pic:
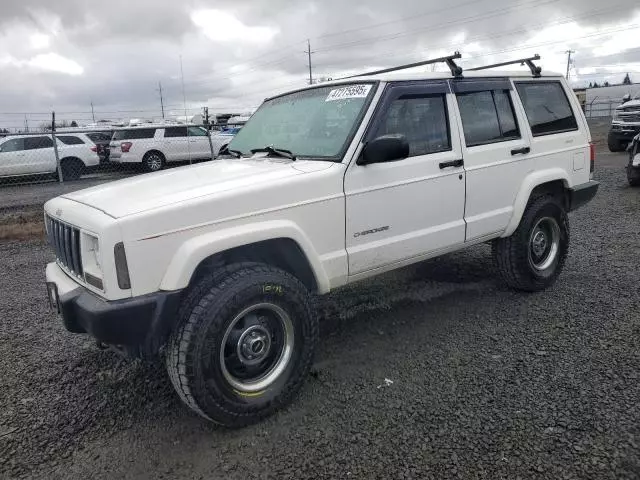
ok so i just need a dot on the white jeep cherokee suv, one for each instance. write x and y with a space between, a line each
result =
217 264
154 146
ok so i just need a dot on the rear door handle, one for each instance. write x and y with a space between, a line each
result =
452 163
520 151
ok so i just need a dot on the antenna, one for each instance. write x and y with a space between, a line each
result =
535 70
456 70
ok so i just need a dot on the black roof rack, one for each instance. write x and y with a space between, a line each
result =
535 70
456 70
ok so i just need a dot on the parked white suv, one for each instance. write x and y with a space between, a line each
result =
34 155
333 183
154 146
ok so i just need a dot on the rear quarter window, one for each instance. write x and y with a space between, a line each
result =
70 139
134 134
547 107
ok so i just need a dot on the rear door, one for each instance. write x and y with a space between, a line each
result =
39 155
496 152
403 210
12 157
176 144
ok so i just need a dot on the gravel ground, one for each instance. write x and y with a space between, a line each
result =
487 383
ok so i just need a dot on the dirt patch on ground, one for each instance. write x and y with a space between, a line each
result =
23 225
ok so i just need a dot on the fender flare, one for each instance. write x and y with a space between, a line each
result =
196 249
530 182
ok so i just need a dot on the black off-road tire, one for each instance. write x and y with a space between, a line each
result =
193 350
615 145
72 168
153 161
511 254
633 175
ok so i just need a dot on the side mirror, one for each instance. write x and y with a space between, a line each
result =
386 148
626 98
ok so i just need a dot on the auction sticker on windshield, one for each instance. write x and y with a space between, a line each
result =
352 91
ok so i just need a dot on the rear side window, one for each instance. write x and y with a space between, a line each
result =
547 107
422 120
35 143
134 134
70 140
13 145
99 137
487 117
175 132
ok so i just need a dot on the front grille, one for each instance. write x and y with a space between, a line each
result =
65 241
630 117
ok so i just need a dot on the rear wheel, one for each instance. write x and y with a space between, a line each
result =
243 345
533 256
153 161
71 168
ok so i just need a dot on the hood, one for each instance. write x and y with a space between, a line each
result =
168 187
631 103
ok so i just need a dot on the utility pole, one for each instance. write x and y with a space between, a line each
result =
569 52
93 115
26 124
161 99
309 52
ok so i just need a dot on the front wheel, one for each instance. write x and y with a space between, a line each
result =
533 256
243 345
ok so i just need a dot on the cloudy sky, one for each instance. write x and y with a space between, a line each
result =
62 55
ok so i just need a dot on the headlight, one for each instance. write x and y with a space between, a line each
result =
92 260
616 115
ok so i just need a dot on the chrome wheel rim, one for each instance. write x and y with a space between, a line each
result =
257 347
154 162
544 243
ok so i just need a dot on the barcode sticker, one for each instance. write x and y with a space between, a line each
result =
352 91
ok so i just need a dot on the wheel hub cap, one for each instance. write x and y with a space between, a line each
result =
539 243
254 345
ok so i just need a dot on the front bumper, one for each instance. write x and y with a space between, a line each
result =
582 194
623 133
139 326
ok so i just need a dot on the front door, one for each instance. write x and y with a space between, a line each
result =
403 210
39 155
199 143
12 157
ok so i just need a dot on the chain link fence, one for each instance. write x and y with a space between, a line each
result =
36 166
601 108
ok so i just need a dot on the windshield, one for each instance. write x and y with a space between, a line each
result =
311 123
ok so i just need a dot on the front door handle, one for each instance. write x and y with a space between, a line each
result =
520 151
452 163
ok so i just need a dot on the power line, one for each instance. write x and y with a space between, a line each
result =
438 26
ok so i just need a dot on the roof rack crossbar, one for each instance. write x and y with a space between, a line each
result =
456 71
535 70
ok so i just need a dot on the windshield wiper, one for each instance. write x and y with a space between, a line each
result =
231 151
278 152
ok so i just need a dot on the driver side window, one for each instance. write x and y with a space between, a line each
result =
422 119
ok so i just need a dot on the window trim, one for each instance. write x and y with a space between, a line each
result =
417 89
544 82
502 139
